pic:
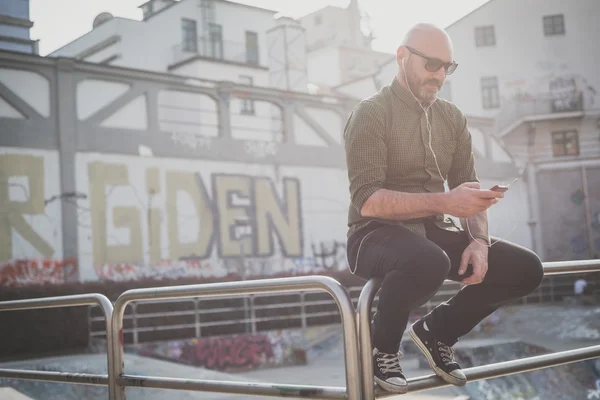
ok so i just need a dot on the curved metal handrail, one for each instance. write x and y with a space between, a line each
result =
66 301
364 306
274 285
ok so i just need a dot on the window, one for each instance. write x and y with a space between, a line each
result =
485 36
490 95
318 20
252 48
189 35
247 106
554 25
565 143
215 41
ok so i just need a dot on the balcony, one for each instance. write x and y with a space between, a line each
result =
216 50
522 107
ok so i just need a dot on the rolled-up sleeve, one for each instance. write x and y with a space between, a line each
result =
463 164
366 151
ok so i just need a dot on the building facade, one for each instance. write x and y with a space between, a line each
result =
338 48
209 39
15 26
516 60
533 69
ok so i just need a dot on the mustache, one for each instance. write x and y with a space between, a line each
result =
434 81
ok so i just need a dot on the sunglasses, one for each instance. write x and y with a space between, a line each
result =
434 64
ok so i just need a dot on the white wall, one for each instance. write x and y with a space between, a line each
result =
324 66
334 27
523 59
223 72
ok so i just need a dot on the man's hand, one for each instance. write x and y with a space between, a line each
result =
468 199
475 254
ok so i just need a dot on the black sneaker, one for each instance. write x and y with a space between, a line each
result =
388 373
440 356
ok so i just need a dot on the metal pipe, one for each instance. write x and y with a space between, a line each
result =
280 285
247 388
54 376
73 301
571 267
588 213
504 368
365 301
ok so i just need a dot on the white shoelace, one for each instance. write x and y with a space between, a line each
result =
447 353
389 362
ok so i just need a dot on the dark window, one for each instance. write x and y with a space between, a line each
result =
318 19
485 36
215 41
252 48
490 94
189 35
247 104
554 25
565 143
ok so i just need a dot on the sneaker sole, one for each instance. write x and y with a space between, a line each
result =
388 387
444 375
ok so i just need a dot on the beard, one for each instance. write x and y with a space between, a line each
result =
422 91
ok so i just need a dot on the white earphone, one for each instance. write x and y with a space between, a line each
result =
431 148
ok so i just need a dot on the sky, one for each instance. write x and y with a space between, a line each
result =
58 22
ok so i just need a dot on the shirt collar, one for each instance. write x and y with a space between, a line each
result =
404 94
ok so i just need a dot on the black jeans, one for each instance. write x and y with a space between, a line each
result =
414 268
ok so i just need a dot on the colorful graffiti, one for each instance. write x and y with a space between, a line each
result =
163 270
35 272
139 218
229 353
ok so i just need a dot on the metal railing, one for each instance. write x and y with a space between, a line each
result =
218 50
248 316
475 373
66 301
356 333
277 285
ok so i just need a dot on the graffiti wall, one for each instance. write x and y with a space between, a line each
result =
30 218
147 217
230 353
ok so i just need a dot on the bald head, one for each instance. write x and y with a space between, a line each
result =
431 40
416 60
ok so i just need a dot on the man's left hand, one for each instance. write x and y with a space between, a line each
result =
475 254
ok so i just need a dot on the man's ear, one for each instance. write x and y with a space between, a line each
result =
400 54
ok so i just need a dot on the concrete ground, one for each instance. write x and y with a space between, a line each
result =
327 369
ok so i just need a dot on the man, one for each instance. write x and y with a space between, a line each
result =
402 144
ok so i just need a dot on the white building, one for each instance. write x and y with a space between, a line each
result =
534 69
510 54
338 49
210 39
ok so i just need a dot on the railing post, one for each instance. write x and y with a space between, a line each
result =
252 314
363 321
134 323
197 318
303 309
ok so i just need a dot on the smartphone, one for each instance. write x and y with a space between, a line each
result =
500 188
